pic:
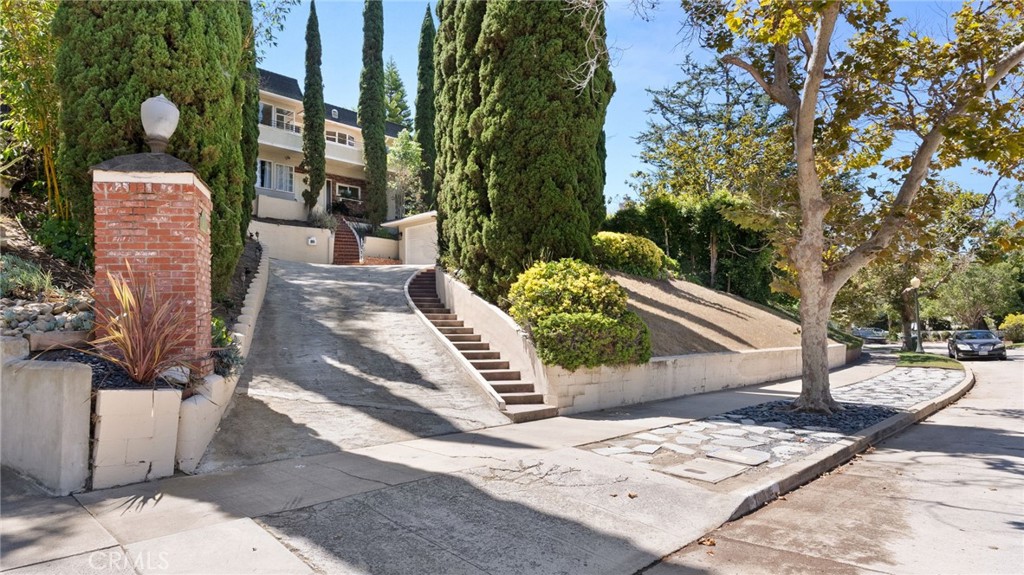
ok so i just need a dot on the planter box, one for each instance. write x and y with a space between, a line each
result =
135 436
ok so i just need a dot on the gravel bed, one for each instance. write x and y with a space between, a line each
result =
853 418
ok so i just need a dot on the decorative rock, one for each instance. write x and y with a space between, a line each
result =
684 440
648 448
706 470
611 450
736 442
733 431
648 437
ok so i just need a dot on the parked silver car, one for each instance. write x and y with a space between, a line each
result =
975 343
871 334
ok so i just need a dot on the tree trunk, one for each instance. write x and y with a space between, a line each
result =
906 319
714 259
815 305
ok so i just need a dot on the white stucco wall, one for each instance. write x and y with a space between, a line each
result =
45 418
374 247
590 389
270 207
290 242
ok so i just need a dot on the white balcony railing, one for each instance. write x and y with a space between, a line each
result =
343 153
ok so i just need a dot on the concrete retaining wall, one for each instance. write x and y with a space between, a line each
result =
45 418
374 247
676 376
201 414
291 243
135 436
606 387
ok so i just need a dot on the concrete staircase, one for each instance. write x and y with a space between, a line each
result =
346 245
522 402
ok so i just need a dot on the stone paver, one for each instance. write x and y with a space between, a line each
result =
706 470
339 362
740 438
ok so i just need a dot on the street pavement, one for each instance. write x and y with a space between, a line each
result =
946 496
525 498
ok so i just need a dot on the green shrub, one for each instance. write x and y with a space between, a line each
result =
630 254
227 355
65 240
1013 327
22 279
564 286
574 340
578 316
322 219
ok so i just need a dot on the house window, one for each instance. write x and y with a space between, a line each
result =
349 192
283 177
274 176
285 119
334 114
341 138
266 114
264 170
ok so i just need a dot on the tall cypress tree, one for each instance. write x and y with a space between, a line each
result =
462 200
313 142
394 97
371 111
249 76
425 105
539 138
114 55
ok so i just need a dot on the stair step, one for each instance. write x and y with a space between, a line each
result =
471 345
521 398
462 337
427 302
512 387
477 355
488 364
433 315
500 374
529 412
448 322
455 330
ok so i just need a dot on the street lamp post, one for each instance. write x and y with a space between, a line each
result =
916 283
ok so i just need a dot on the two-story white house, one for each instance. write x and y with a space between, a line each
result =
279 180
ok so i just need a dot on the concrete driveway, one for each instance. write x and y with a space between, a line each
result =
339 362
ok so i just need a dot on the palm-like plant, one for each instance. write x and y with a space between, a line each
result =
143 332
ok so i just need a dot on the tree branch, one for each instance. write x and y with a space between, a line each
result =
919 165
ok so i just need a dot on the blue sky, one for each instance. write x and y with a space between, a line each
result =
646 55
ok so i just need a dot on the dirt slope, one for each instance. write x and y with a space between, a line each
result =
687 318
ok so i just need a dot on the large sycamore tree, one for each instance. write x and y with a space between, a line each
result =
862 90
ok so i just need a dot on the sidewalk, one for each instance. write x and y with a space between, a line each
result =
537 497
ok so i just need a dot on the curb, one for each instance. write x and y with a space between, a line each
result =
835 455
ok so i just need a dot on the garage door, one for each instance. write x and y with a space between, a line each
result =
421 244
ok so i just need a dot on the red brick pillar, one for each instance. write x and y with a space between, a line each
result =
153 212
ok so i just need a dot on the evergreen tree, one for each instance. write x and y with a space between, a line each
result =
372 111
462 201
425 106
249 75
114 55
539 138
313 142
394 97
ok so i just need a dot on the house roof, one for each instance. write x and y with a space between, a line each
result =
281 85
289 88
412 220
